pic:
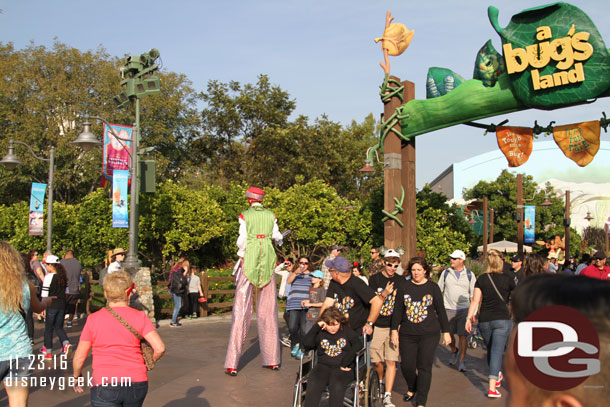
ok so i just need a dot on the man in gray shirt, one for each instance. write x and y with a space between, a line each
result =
73 270
457 285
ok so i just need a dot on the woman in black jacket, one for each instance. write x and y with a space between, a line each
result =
177 287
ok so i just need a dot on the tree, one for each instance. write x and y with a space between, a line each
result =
233 119
502 197
44 91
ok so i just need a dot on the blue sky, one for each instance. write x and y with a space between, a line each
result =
321 52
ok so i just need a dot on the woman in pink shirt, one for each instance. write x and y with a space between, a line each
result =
119 372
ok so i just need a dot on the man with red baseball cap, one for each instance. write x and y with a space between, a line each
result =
257 227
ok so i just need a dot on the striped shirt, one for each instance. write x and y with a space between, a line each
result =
299 291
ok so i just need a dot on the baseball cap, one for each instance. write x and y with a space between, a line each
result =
458 254
599 255
317 273
341 264
517 257
52 259
391 253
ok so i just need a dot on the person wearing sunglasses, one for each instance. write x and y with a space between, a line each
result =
377 264
383 350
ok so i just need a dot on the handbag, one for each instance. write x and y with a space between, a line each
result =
510 312
147 350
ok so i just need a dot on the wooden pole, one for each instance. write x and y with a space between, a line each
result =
566 237
399 173
520 214
491 226
409 231
485 234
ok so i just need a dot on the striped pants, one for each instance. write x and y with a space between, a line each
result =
266 320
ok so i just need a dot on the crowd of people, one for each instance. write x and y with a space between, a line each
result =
404 310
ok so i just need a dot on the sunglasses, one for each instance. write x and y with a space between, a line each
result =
303 262
394 266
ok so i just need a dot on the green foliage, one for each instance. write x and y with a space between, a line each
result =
436 237
502 197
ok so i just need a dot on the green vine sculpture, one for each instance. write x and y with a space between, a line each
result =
397 209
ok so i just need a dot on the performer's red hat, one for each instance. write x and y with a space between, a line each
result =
256 194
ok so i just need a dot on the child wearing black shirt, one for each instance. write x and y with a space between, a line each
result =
336 346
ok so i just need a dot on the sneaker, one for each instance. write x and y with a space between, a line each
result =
66 317
69 324
462 367
499 381
75 317
387 400
285 341
299 354
67 350
294 350
454 358
175 324
194 316
189 317
494 394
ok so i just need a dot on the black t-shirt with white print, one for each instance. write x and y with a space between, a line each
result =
337 349
419 309
378 283
352 298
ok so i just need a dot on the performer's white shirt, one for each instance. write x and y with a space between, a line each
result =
243 234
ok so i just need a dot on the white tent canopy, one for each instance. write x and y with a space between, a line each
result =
505 246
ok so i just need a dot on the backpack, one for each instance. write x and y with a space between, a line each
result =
468 273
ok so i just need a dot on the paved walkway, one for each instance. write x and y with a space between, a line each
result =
191 374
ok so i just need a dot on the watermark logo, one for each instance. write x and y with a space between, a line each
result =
556 348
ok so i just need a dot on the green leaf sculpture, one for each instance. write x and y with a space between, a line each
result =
591 76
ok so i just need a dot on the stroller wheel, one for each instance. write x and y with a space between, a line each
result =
473 344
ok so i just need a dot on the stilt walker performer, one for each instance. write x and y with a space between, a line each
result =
257 226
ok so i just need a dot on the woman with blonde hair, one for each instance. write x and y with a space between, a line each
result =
16 297
119 371
492 291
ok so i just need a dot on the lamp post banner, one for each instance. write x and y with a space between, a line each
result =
36 216
116 153
529 216
119 199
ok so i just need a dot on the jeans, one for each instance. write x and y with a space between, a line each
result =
296 325
54 320
495 334
177 306
119 396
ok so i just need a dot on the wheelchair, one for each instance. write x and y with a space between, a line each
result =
364 391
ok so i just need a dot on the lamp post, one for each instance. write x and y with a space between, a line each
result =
86 140
10 162
138 81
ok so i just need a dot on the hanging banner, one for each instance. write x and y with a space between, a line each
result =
116 152
36 217
516 143
529 220
119 199
579 142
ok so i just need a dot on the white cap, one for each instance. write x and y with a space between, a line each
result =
391 253
458 254
52 259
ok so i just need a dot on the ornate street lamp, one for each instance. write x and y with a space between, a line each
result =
10 162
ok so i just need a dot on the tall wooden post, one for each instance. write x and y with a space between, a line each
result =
566 223
399 173
520 214
491 225
485 232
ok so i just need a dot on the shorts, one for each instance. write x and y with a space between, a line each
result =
14 369
72 299
381 348
457 322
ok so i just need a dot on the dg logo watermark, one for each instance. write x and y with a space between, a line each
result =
556 348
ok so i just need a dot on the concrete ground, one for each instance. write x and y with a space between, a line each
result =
191 374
